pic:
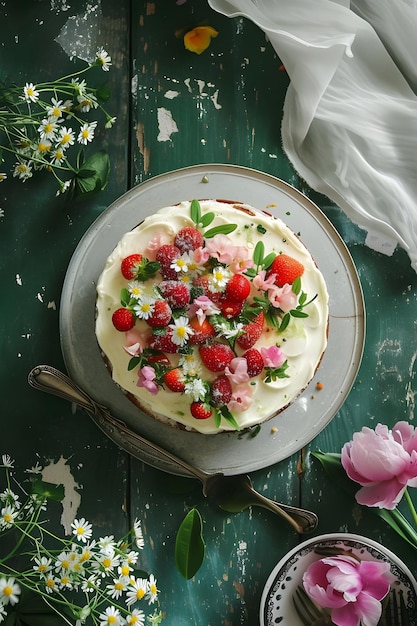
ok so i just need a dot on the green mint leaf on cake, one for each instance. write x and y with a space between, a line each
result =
195 212
273 373
207 219
222 229
225 413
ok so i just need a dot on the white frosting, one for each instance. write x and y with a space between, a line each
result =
303 342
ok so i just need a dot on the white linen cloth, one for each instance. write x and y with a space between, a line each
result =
350 115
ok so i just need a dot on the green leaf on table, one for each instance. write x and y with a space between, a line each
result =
48 490
189 545
93 174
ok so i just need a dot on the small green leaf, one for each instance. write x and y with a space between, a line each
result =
48 490
298 313
285 322
296 286
195 211
124 297
207 219
251 272
223 229
93 176
189 545
258 253
224 411
134 362
268 260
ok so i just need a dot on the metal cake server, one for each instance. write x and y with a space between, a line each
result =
230 493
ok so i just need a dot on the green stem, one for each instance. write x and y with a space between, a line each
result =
411 506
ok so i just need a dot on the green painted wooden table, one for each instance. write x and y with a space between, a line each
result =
175 109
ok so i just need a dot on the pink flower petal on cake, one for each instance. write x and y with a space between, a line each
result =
237 371
272 356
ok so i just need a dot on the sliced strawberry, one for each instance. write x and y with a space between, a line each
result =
123 319
200 410
188 238
163 342
175 293
230 309
221 391
160 315
255 362
238 288
165 256
286 269
174 380
216 356
158 357
251 334
202 332
130 265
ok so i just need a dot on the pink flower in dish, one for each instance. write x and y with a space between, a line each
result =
241 398
351 589
237 371
147 379
383 462
282 298
263 284
272 356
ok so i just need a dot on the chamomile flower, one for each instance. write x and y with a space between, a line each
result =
7 516
90 584
9 497
64 562
65 137
86 102
152 592
42 565
135 288
182 263
58 156
182 330
196 389
82 529
107 562
56 109
189 365
47 128
135 618
103 59
229 330
3 176
110 122
43 147
3 613
86 552
137 591
22 170
9 591
116 588
219 278
110 617
137 530
7 461
144 308
51 583
65 582
86 133
29 93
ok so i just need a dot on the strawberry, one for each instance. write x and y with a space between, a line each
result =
158 357
230 309
200 410
250 335
216 356
123 319
174 380
188 238
165 256
238 288
221 391
175 293
130 265
286 269
163 342
202 332
255 362
160 315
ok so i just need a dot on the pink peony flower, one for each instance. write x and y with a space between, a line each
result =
272 356
237 371
147 379
282 298
241 398
384 462
352 589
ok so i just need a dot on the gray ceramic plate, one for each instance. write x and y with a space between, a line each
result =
232 453
276 603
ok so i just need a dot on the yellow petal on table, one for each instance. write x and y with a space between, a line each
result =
198 39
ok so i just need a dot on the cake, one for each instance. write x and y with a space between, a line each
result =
211 316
